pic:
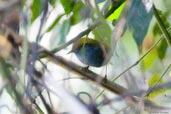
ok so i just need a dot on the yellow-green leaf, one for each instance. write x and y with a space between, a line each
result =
103 33
115 15
152 81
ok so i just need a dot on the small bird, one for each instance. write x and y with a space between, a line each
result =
91 52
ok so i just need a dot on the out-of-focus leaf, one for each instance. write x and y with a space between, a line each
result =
170 74
162 50
103 33
36 9
151 82
85 12
76 17
5 71
138 19
9 91
52 2
150 59
4 68
154 79
164 17
67 5
106 6
115 15
55 22
64 31
100 1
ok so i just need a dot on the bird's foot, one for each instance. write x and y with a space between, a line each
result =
85 68
105 78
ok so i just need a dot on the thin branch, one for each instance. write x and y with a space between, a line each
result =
115 4
113 87
157 82
142 57
136 63
162 26
71 66
89 29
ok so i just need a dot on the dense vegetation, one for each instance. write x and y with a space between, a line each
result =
39 75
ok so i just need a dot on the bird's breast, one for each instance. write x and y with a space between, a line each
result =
91 55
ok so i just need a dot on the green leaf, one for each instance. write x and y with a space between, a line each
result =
9 90
55 22
67 5
152 82
36 9
149 60
103 33
138 19
76 17
64 31
154 79
162 49
52 2
5 70
115 15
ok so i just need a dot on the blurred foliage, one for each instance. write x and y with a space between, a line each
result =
152 81
115 15
162 49
73 13
52 2
36 9
103 33
138 20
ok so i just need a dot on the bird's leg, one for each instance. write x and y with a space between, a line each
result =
105 78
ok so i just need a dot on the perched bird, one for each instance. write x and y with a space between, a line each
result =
91 52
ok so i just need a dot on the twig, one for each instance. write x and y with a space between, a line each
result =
162 26
136 63
88 74
12 82
157 82
89 29
141 58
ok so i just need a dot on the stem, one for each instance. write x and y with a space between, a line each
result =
162 26
136 63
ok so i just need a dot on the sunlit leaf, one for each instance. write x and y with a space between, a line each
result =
103 33
149 60
36 9
115 15
152 82
138 20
